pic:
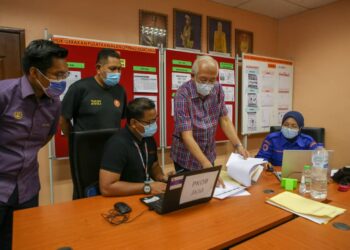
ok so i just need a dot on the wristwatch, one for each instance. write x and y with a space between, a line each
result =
237 145
147 187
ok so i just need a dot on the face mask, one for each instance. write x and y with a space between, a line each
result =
204 88
112 79
150 130
289 133
55 88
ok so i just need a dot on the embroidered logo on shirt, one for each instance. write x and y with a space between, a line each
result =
116 103
18 115
95 102
265 147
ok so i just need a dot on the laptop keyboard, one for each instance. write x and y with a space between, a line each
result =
157 205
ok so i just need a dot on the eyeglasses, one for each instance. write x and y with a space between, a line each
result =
149 122
206 81
58 76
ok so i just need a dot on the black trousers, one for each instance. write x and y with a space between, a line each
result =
6 217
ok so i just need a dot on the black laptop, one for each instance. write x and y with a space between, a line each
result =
185 190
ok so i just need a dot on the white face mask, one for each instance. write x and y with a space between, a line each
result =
204 89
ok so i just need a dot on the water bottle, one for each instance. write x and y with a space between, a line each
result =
305 182
307 177
319 173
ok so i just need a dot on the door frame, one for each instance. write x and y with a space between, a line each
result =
21 34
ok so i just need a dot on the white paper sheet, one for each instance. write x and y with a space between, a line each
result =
198 187
242 170
266 117
252 100
145 83
226 76
178 79
252 126
228 191
229 93
284 100
230 111
266 99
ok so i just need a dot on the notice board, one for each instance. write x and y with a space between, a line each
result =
139 77
267 91
178 68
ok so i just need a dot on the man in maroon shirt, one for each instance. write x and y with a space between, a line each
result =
29 112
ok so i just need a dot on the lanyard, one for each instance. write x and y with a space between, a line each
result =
143 162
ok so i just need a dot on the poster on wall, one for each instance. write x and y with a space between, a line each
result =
267 88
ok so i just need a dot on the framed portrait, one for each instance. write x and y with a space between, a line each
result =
219 35
153 28
187 30
243 42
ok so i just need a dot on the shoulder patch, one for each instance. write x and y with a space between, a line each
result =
265 147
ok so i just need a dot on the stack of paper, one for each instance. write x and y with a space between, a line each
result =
313 210
232 188
244 170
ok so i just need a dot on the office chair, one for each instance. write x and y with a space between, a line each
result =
85 155
318 134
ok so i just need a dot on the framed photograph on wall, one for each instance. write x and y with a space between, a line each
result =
243 42
153 28
187 30
219 35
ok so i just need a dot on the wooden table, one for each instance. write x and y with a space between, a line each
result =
217 224
301 233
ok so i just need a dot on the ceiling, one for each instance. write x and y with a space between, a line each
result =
276 8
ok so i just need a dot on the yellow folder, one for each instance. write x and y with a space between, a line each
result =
307 208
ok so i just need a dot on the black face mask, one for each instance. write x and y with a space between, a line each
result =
342 176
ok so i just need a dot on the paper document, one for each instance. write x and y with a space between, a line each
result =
244 171
313 210
229 190
232 188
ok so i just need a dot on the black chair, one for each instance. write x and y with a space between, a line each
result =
317 133
85 154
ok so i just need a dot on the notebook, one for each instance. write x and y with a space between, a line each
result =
184 190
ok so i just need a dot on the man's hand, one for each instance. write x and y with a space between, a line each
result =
220 183
158 187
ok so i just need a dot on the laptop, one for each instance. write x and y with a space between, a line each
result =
185 189
293 162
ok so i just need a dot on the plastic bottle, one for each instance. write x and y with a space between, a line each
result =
307 177
305 181
319 173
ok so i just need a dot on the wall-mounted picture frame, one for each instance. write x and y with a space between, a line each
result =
187 30
243 42
153 28
219 35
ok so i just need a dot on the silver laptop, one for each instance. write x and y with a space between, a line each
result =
294 161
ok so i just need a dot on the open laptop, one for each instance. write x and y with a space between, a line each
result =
184 190
294 161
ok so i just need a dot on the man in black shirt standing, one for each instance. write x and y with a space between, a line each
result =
130 157
97 102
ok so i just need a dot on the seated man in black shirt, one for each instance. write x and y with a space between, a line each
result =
130 157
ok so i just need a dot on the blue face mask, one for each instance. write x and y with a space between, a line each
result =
55 88
289 133
112 79
150 130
